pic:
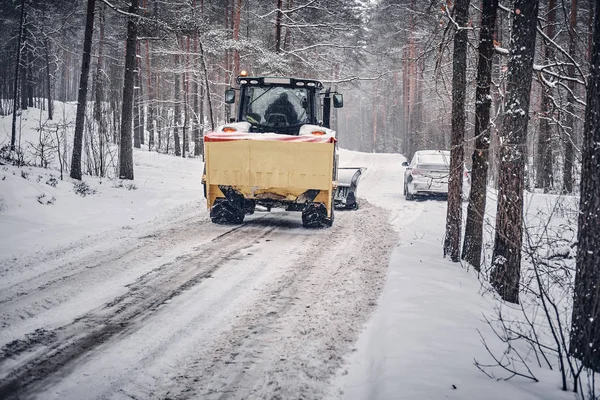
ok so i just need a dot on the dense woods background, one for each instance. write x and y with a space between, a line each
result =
501 84
392 59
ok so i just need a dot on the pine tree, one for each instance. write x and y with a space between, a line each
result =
506 259
126 148
585 328
457 152
473 240
83 87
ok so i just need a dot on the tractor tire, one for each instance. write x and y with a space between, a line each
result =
222 212
315 216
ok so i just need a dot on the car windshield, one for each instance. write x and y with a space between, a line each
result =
438 161
276 106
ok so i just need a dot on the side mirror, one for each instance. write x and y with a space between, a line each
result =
405 164
230 96
338 100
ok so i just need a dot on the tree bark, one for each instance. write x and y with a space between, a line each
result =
196 99
506 259
544 149
13 137
585 328
278 16
457 155
99 95
83 87
138 129
176 108
473 240
48 79
569 134
237 4
207 87
125 148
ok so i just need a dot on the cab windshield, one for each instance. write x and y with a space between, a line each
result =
276 106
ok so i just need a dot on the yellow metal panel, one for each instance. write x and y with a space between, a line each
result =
270 164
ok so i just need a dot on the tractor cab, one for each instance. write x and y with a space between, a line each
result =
282 105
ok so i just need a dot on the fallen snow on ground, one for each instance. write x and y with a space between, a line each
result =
131 292
423 338
39 210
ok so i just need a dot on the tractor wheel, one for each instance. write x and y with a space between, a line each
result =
222 212
315 216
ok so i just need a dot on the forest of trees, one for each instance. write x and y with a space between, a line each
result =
510 87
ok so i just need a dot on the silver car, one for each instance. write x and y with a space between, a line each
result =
428 172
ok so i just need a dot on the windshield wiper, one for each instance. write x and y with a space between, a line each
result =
263 93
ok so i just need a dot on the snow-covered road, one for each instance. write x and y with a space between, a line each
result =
182 308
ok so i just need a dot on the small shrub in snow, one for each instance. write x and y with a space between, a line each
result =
52 181
83 189
42 199
128 186
24 174
11 157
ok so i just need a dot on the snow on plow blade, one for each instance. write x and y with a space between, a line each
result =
269 169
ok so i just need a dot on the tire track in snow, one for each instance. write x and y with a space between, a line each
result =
291 339
269 320
143 297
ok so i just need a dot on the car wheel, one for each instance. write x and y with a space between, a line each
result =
407 195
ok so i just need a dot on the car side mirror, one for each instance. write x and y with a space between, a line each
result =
405 164
338 100
230 96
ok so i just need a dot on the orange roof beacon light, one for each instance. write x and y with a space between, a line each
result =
229 129
243 73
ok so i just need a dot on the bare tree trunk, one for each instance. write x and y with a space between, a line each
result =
13 137
278 16
207 87
196 99
83 87
544 156
569 134
186 103
457 151
473 240
236 35
125 148
176 109
506 260
29 80
137 128
99 95
48 78
151 107
585 328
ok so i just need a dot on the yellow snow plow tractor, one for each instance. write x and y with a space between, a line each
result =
278 151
